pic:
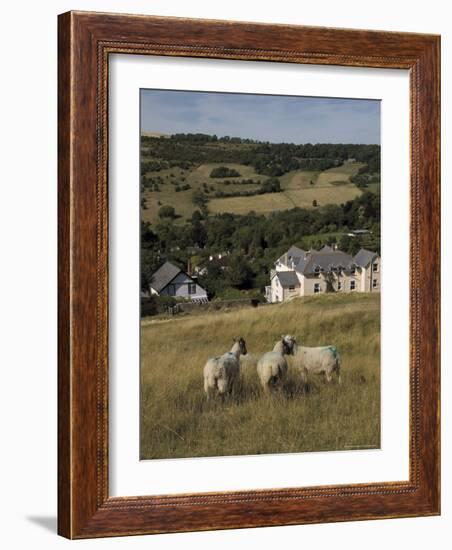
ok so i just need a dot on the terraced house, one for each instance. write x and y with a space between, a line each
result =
306 272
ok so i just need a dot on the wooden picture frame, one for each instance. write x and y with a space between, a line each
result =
86 40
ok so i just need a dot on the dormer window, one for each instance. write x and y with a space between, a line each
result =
317 271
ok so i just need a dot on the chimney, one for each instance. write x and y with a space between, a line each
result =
189 267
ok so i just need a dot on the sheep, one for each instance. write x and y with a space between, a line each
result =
319 360
272 366
222 372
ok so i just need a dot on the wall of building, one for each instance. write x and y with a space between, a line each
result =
308 287
180 286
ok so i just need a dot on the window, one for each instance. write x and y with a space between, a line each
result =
374 283
317 271
353 270
352 285
172 290
316 288
291 287
375 267
192 288
339 285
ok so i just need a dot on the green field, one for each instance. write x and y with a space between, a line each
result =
177 420
328 187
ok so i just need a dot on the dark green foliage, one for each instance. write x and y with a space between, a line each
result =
271 185
156 304
153 166
271 159
369 173
224 172
167 212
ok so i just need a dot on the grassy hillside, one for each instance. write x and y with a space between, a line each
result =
176 184
178 421
328 188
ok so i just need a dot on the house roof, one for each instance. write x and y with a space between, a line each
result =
164 275
308 263
325 261
294 253
364 257
288 278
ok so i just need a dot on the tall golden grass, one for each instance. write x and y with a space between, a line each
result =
177 420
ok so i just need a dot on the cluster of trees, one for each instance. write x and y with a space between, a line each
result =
207 138
153 166
274 165
272 159
183 187
248 181
224 172
270 185
253 241
369 173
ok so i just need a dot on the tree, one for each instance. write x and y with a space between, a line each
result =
240 273
196 216
314 203
167 212
224 172
271 185
199 199
198 234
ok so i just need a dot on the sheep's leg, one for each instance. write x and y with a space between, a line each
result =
209 392
328 377
304 376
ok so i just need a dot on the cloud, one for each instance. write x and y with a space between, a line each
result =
264 117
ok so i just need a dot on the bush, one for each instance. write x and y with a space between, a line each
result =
167 212
224 172
156 304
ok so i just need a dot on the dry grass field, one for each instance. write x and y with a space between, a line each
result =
328 187
177 420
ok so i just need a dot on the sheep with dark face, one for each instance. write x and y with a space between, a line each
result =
272 366
221 373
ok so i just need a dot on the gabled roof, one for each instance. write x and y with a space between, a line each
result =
324 261
295 251
309 263
293 254
364 257
288 278
164 275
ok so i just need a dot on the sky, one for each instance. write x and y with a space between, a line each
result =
274 118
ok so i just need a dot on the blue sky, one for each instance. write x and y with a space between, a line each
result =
263 117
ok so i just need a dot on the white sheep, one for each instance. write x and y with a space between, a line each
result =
222 372
318 360
272 366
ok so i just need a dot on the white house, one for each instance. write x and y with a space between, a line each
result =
170 280
303 273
